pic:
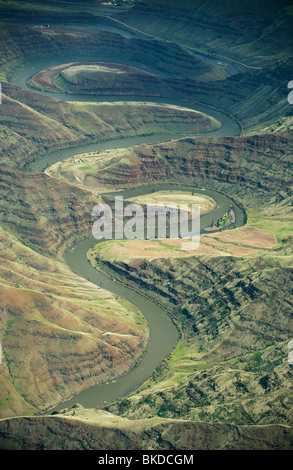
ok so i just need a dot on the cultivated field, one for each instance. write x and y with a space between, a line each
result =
174 199
240 242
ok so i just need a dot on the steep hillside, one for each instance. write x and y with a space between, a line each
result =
60 318
46 215
33 124
257 98
231 365
23 44
215 26
54 331
262 163
79 429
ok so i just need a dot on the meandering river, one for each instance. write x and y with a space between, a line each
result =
163 333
